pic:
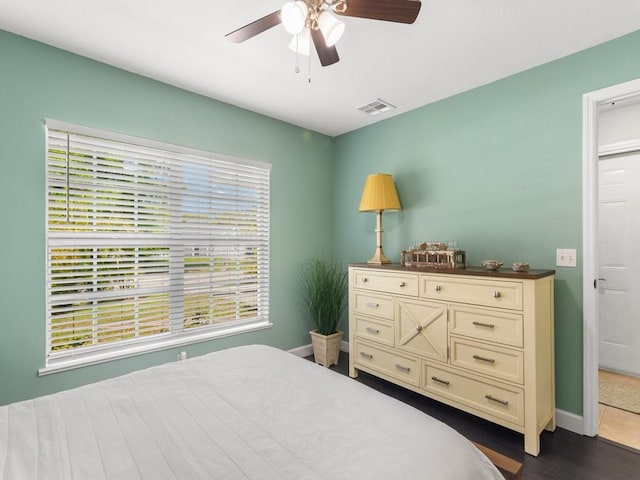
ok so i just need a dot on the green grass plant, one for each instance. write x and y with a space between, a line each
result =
323 289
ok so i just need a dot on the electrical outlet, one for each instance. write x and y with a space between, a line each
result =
566 257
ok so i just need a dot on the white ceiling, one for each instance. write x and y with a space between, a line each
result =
454 46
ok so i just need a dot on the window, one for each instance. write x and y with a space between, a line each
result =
149 245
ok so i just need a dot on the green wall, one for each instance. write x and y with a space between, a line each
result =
37 82
498 169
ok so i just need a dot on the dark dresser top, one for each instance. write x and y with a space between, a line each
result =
504 272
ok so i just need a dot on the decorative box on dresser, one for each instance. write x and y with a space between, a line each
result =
478 340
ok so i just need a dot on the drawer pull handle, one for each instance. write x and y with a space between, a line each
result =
402 284
480 324
437 288
365 280
496 294
403 368
484 359
373 330
366 355
497 400
439 380
372 305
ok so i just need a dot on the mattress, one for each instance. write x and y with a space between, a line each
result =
251 412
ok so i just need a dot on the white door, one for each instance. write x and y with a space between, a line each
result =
619 249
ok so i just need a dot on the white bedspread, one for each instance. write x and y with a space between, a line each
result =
251 412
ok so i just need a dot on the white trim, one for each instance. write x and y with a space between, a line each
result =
302 351
570 421
591 102
109 355
589 239
617 148
165 169
306 350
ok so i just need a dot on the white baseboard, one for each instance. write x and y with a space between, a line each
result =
570 421
306 350
303 351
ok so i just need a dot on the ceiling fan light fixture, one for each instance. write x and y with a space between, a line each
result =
294 16
331 28
301 43
325 28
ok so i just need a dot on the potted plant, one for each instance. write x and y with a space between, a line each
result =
323 288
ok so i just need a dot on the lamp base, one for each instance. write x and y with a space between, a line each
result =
379 258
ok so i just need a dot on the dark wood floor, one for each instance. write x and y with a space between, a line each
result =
564 455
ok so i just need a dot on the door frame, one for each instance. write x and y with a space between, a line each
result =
590 302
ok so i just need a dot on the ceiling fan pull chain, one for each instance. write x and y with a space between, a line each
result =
297 56
309 69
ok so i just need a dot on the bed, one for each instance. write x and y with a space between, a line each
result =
252 412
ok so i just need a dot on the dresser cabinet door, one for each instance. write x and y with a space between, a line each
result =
421 328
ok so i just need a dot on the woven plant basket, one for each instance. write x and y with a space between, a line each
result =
326 348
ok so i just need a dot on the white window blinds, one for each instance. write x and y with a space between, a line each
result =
148 243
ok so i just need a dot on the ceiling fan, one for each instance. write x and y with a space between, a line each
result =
315 21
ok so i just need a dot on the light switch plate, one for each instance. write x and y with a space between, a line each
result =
566 257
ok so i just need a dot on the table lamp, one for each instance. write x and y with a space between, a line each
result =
379 194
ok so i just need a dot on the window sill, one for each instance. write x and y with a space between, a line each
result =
65 364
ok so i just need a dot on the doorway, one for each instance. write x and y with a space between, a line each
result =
594 103
618 284
618 280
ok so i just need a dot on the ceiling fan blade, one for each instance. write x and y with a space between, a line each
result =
400 11
254 28
327 55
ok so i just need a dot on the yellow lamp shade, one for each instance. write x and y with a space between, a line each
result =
379 193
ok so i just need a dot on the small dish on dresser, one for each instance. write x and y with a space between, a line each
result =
520 267
492 264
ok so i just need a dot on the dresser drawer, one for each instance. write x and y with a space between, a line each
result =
396 283
491 360
493 325
498 400
373 329
491 293
401 367
374 304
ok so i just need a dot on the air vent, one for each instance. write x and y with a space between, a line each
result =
376 107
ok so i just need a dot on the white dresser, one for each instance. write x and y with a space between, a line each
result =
476 340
